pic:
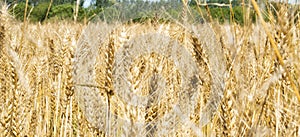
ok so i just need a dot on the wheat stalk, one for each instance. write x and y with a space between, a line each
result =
176 72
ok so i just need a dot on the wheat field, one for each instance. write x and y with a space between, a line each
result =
165 79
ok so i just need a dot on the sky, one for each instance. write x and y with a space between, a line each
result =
294 1
87 3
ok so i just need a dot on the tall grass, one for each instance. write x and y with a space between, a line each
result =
166 79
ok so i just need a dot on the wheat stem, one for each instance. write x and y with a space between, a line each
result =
275 48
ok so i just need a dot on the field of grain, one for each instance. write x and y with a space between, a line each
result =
163 79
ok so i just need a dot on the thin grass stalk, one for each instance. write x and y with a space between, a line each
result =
25 12
231 12
76 10
48 10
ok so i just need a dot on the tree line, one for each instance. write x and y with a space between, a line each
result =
128 10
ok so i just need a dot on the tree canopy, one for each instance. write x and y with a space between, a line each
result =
123 10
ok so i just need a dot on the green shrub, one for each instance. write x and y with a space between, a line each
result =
220 14
66 12
238 15
60 12
224 14
18 10
36 13
39 12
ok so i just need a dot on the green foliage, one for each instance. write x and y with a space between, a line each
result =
220 14
132 10
63 11
34 13
57 12
18 10
104 3
141 11
238 2
219 1
224 14
66 12
39 12
238 15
